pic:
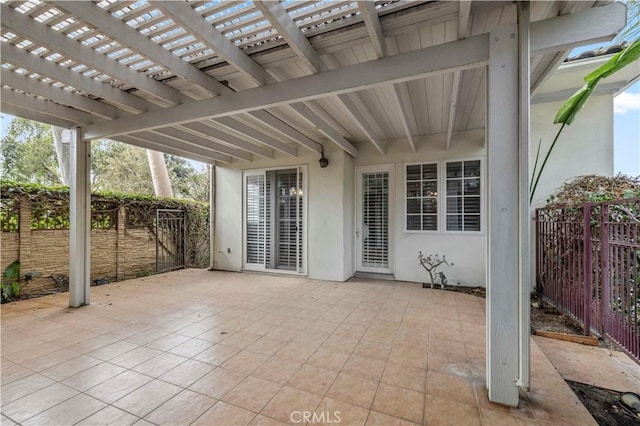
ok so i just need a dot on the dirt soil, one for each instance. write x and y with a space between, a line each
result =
604 405
474 291
548 318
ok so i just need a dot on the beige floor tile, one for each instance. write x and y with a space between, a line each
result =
93 376
109 416
71 367
218 383
167 342
41 363
6 421
187 373
442 411
313 379
367 368
135 357
289 401
225 414
295 352
404 376
287 318
242 339
371 349
412 357
502 418
217 354
147 398
69 412
261 420
119 386
332 412
24 387
245 361
12 371
329 358
277 370
266 345
183 408
113 350
191 348
399 402
143 422
450 387
37 402
566 409
252 394
156 367
353 390
380 419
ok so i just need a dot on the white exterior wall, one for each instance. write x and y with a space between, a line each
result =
466 250
329 214
585 147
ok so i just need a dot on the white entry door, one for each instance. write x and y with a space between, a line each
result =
373 218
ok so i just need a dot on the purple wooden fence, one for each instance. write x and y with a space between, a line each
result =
588 266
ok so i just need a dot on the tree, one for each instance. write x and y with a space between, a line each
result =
187 181
118 167
63 154
159 174
28 154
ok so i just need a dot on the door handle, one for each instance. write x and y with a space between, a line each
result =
357 234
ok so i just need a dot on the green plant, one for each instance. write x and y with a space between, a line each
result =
568 111
431 263
11 285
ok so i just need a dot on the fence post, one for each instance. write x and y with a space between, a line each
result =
604 265
587 267
120 244
24 235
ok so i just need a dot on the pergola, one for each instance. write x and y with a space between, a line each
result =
217 81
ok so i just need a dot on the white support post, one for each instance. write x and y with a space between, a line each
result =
80 220
212 216
503 261
525 213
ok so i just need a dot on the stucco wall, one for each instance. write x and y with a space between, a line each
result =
468 250
585 147
328 217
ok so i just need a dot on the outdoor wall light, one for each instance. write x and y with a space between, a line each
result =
323 161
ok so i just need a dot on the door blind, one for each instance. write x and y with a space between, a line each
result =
255 219
287 224
375 220
274 217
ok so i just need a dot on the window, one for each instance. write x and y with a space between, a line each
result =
463 196
422 197
273 221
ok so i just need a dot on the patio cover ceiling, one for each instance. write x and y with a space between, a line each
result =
225 80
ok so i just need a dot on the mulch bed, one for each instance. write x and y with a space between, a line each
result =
604 405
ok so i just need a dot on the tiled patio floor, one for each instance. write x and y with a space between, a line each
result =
207 348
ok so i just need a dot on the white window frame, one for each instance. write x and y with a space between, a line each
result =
438 198
482 196
391 169
442 196
305 196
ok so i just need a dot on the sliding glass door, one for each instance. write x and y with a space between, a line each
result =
274 207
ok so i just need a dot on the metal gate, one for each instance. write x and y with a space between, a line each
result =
170 240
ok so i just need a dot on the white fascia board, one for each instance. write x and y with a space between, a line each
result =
577 29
